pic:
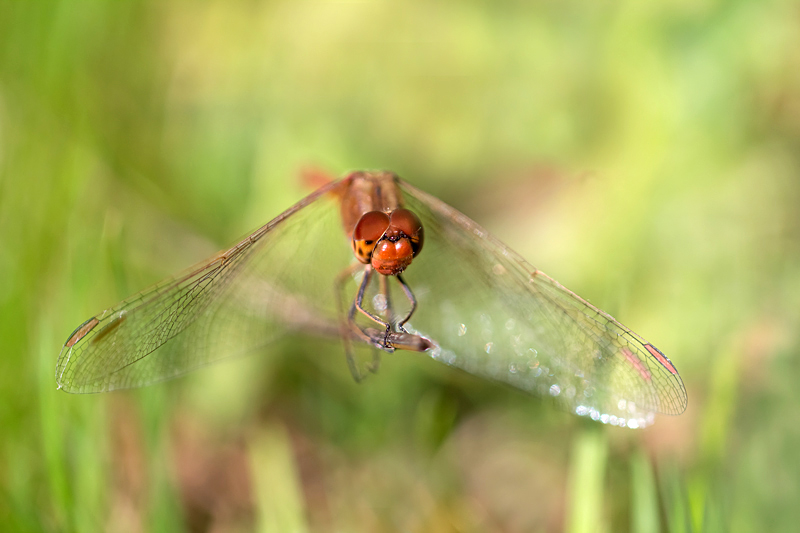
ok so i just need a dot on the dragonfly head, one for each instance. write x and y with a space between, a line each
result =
388 241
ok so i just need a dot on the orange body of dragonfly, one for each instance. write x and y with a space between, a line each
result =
468 301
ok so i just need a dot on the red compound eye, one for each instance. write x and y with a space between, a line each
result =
409 224
369 229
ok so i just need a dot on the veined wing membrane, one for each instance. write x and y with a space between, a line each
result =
276 279
484 309
495 316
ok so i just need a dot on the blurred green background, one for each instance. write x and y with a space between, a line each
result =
645 154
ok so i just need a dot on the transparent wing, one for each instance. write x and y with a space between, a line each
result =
277 279
493 315
487 311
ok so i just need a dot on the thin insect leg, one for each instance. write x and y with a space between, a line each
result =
388 314
411 298
360 301
355 328
347 326
359 306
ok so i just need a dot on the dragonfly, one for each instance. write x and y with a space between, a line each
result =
381 264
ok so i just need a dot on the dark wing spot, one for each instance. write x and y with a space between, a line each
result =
81 332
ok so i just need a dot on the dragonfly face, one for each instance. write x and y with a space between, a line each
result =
389 242
476 305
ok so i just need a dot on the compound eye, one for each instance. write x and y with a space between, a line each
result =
407 222
369 229
371 226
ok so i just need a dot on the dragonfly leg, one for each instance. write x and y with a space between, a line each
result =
359 305
411 298
349 327
387 314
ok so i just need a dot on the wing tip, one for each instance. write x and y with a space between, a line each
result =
681 403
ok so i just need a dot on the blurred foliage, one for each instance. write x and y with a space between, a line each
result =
646 154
